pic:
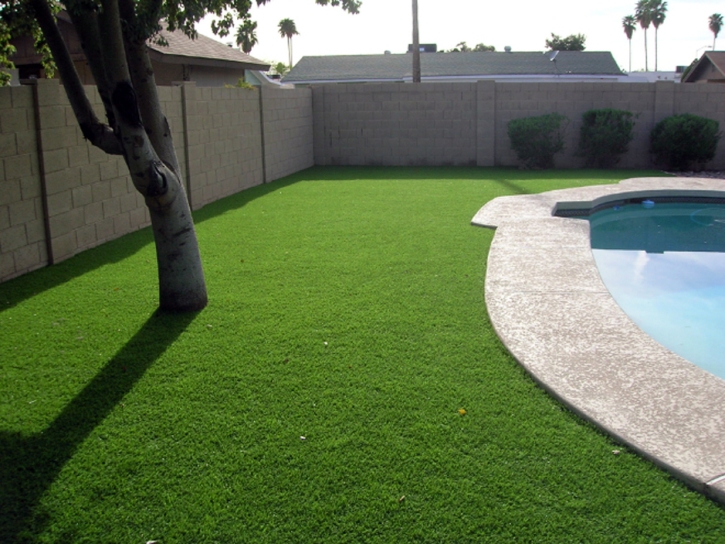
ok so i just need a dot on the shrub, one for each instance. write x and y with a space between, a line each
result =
536 140
241 84
681 141
604 136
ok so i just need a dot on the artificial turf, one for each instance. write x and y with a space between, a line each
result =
343 385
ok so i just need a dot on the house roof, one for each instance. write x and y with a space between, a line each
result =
180 49
350 68
716 59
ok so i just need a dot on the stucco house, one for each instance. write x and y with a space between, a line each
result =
206 61
709 69
576 66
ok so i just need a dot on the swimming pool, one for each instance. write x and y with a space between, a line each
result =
549 306
664 264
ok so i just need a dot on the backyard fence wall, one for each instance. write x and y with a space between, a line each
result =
467 123
59 195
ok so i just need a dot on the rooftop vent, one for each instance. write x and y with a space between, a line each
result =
507 48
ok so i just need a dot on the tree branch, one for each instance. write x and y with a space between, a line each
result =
144 83
85 23
152 177
99 134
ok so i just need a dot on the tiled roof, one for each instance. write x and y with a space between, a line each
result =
436 65
182 49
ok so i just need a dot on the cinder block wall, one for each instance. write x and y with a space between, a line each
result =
467 123
22 231
288 120
395 124
59 195
90 197
224 142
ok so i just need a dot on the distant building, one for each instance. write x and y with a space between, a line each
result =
207 62
709 69
654 77
574 66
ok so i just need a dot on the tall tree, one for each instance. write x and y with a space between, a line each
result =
658 12
287 29
482 47
573 42
643 14
247 35
715 25
114 34
629 24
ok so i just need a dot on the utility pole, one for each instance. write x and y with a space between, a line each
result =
416 44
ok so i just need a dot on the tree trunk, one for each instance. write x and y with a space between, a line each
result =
646 65
140 133
181 277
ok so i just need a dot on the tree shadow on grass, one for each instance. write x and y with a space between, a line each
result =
512 180
15 291
30 464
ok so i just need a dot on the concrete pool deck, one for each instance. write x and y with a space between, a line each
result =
552 311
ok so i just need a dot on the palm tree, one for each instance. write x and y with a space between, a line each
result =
658 12
644 17
629 23
715 27
287 29
247 35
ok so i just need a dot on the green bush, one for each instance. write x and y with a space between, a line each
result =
604 136
536 140
683 141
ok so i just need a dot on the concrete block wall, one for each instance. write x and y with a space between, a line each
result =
467 123
59 195
519 100
22 229
288 131
90 196
224 142
395 124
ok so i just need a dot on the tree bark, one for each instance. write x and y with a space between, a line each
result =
155 172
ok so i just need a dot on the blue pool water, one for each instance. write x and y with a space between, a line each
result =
665 266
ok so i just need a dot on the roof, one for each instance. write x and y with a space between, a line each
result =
398 67
180 49
715 59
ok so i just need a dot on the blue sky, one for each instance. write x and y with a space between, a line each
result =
524 25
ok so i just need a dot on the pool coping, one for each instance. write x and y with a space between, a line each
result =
551 310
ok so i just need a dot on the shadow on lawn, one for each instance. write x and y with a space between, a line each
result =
512 180
15 291
30 464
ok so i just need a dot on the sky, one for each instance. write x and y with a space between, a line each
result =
522 24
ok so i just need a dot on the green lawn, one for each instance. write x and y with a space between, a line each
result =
317 397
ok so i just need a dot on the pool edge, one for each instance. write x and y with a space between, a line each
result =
592 357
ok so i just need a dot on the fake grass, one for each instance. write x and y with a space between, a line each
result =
343 385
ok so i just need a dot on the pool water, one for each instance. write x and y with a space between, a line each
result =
665 266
